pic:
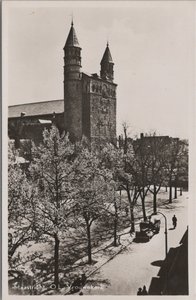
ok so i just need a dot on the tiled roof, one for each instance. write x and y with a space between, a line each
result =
36 109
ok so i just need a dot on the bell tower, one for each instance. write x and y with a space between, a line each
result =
72 86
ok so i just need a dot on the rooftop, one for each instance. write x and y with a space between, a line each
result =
36 108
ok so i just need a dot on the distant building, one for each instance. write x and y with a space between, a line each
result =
88 107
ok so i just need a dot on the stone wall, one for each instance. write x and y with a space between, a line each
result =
73 108
102 110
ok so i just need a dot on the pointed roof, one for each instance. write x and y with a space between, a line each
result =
107 57
72 40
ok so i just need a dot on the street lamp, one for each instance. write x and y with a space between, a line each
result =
166 242
166 245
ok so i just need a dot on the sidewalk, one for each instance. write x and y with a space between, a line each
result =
133 268
101 255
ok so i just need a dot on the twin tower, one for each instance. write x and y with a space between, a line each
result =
89 99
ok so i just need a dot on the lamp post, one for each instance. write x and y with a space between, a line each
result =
166 247
166 241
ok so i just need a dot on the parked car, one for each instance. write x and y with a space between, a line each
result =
147 230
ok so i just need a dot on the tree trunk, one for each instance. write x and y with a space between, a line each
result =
180 191
143 206
13 250
17 142
89 243
132 219
115 223
166 188
56 261
170 194
170 191
154 200
176 187
131 210
115 232
175 194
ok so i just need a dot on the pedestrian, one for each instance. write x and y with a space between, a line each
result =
144 291
76 285
139 292
174 220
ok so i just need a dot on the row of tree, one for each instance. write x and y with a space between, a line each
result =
70 187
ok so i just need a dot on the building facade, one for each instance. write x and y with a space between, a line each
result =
89 104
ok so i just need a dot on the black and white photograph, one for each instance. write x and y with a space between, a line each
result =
98 103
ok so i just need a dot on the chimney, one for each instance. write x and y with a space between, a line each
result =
22 114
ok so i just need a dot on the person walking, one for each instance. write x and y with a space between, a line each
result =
76 285
174 221
139 292
144 291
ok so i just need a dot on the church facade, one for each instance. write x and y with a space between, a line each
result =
88 108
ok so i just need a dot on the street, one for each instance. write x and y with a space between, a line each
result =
136 266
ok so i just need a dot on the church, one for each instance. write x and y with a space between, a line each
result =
88 108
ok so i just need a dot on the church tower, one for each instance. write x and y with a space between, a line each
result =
100 102
72 86
89 99
88 108
107 64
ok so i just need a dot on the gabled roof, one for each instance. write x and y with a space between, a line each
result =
107 57
72 40
36 109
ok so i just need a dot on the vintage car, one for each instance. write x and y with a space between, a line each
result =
147 230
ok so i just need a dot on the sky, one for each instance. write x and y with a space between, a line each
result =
151 42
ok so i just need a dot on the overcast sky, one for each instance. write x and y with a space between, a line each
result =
152 45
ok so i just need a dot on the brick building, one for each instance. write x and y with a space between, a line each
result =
88 107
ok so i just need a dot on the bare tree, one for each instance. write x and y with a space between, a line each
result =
141 170
157 149
129 178
177 153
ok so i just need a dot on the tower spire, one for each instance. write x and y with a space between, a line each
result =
107 57
72 40
107 65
